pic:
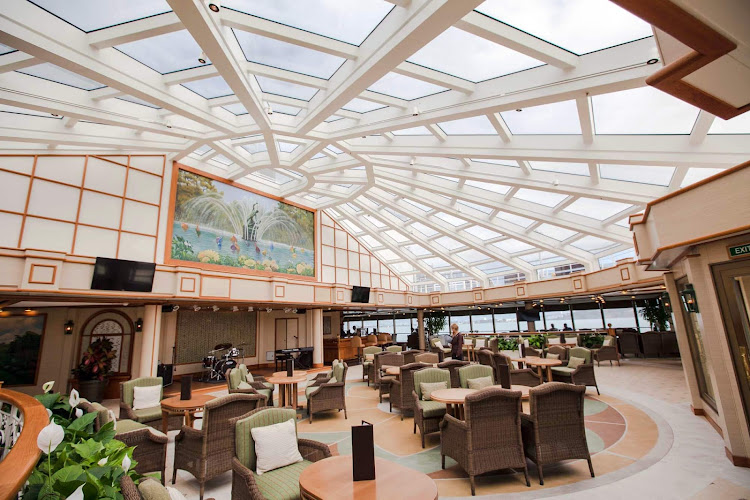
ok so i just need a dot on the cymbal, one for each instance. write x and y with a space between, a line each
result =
242 344
223 347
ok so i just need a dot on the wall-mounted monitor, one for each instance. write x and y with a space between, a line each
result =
123 275
527 315
361 294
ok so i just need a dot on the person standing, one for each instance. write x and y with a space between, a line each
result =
457 343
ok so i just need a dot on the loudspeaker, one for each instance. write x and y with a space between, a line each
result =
165 372
168 308
289 367
301 311
185 387
363 452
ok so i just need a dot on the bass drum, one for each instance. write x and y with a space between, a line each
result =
224 365
208 361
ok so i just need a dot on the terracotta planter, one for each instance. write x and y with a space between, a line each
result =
93 390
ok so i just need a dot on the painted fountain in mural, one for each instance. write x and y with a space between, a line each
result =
217 223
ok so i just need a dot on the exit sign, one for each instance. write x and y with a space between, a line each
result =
739 250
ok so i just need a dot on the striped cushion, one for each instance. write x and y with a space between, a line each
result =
148 414
244 445
432 409
235 377
127 425
283 483
430 375
474 371
309 390
246 376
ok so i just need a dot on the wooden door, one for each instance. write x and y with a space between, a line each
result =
287 333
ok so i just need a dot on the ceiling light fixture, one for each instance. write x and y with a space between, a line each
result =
412 161
519 110
214 6
168 124
269 109
196 308
652 61
249 309
215 308
235 309
202 58
415 111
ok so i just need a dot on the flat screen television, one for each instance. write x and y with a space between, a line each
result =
123 275
361 294
527 315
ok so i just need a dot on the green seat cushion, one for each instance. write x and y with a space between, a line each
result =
426 389
283 483
309 390
268 393
563 370
244 385
268 385
148 414
480 382
432 409
152 490
575 362
235 377
128 425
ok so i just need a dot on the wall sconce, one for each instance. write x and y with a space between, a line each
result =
69 327
689 298
139 325
665 300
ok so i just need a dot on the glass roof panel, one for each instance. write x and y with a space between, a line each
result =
698 174
555 232
593 244
515 219
135 100
286 147
165 53
562 167
470 57
623 222
4 108
404 87
424 208
362 106
580 26
505 163
4 49
396 236
285 109
334 118
278 54
375 222
472 255
481 208
554 118
425 230
513 246
257 147
202 150
90 15
209 88
737 125
418 250
236 109
396 214
370 241
412 131
488 186
387 255
644 110
49 71
351 227
539 258
273 175
351 24
637 173
436 262
476 125
596 209
482 232
449 243
545 198
278 87
222 159
453 221
494 267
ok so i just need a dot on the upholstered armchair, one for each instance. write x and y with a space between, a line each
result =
466 373
430 358
358 345
436 346
402 388
506 375
559 350
368 364
241 381
371 340
328 394
554 429
130 491
607 352
381 380
394 348
489 438
282 483
148 416
410 355
207 453
453 365
582 374
427 414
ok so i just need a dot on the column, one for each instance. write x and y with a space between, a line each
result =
317 336
150 340
420 328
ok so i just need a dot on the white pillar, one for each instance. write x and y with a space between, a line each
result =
420 328
317 336
150 340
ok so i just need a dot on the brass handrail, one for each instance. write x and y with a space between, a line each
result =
18 464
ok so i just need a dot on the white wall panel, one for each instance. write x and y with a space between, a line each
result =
15 188
143 187
342 275
353 244
67 169
95 242
341 238
341 258
10 229
140 218
153 164
137 247
23 164
326 235
354 261
100 210
327 256
365 279
105 176
53 200
329 274
47 235
364 262
353 277
325 219
375 278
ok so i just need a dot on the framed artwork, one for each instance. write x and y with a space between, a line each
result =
217 224
21 348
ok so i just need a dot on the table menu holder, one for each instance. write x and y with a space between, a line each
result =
185 387
289 367
363 452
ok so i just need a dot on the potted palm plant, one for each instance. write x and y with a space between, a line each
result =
93 371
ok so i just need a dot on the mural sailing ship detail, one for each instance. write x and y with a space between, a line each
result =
217 223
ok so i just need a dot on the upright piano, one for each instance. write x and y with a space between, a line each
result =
302 357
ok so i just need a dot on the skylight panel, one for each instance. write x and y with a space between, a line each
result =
698 174
580 26
285 109
596 209
513 246
539 258
425 230
449 243
90 15
375 222
625 222
737 125
637 173
453 221
482 232
562 167
257 147
515 219
424 208
273 175
470 57
482 208
387 255
4 108
472 255
352 207
286 147
494 267
165 53
49 71
351 227
403 267
644 110
505 163
318 155
436 262
555 232
351 24
4 49
209 88
593 244
396 214
545 198
362 106
223 160
236 109
278 54
202 150
135 100
333 212
476 125
287 89
404 87
396 236
333 118
450 179
418 250
412 131
554 118
370 241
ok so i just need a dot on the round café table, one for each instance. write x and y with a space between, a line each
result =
453 398
294 373
540 363
187 407
523 388
331 479
287 387
393 370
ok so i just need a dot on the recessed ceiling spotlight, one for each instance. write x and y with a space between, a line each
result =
54 114
196 308
519 110
249 309
415 111
214 7
202 58
235 309
652 61
168 124
28 310
215 308
412 161
269 109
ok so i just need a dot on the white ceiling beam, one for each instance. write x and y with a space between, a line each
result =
395 102
435 77
701 127
564 204
677 177
525 166
437 132
500 127
16 60
594 172
135 30
586 118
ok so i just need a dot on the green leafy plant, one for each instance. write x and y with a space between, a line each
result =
655 313
77 462
96 362
435 323
537 341
592 341
507 344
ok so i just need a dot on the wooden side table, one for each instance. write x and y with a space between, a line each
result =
453 398
288 387
188 407
540 363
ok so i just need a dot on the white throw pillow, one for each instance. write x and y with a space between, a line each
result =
146 397
479 343
553 341
174 494
275 446
439 344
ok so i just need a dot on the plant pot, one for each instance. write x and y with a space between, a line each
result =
93 390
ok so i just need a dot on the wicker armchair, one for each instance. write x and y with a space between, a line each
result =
493 345
428 414
402 388
278 483
328 393
394 348
582 375
431 358
410 356
484 356
235 376
148 416
207 453
669 345
651 343
506 375
381 380
466 373
607 352
368 365
130 490
554 429
436 346
628 342
561 351
489 439
453 365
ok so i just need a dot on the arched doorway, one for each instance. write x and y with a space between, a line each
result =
118 328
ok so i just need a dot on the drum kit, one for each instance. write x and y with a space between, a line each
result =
221 358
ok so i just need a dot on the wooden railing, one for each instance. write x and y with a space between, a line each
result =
21 419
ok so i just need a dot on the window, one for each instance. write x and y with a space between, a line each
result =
506 322
386 326
620 314
556 317
463 322
482 323
403 328
369 325
587 318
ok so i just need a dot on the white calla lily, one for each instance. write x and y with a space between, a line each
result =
77 494
103 461
48 386
79 413
74 399
49 413
112 418
50 437
126 463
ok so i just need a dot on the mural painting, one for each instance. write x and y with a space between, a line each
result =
20 346
221 224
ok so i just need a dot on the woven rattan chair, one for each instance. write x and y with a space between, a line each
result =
235 376
148 416
489 438
669 345
428 414
328 394
554 429
651 343
506 375
466 373
384 381
582 375
453 365
368 365
279 483
402 389
607 352
628 342
130 490
410 355
561 351
484 356
436 346
208 452
394 348
430 358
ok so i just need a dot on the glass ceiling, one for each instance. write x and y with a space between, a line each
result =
57 74
596 209
476 125
555 118
737 125
287 89
165 53
209 88
90 15
4 49
404 87
637 173
362 106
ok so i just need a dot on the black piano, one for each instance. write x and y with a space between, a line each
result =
302 360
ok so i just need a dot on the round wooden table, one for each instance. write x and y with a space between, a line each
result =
187 407
393 370
523 388
540 363
471 354
287 387
453 398
331 479
294 373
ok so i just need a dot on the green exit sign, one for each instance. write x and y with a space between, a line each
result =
739 250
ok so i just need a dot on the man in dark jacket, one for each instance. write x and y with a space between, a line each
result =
457 343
